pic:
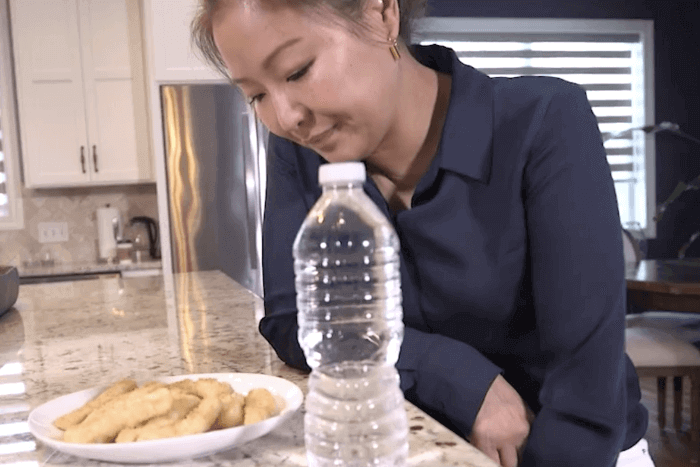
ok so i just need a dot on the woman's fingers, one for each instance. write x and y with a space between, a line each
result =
502 425
508 456
491 452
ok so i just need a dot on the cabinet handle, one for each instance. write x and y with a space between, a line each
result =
82 157
94 157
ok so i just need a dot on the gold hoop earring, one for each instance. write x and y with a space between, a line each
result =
394 48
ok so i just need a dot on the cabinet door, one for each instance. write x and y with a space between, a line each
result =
173 53
49 91
115 92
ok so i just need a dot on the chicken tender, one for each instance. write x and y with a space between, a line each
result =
260 404
199 420
183 403
231 412
73 418
126 411
128 435
210 387
185 385
203 387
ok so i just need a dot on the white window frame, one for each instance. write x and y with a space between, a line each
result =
10 141
644 167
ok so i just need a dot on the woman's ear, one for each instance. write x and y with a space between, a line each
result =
384 17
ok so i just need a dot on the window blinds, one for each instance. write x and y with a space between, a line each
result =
609 66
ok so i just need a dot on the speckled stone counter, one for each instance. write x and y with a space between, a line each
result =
67 336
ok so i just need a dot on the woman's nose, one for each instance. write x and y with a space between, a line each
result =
292 115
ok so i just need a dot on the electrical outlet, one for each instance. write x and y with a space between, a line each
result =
53 232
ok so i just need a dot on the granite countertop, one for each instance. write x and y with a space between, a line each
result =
64 337
86 267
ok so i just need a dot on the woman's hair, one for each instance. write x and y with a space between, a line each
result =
348 10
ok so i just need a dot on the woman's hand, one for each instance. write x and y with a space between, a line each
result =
502 424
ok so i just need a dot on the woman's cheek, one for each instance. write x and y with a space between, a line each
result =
267 116
327 89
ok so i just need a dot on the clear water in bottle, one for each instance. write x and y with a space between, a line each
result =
346 260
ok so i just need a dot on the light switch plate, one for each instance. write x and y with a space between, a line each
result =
53 232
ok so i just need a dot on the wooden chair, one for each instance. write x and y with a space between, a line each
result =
660 344
662 353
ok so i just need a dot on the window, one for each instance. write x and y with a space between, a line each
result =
10 200
611 59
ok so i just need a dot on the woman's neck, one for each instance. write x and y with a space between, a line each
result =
405 155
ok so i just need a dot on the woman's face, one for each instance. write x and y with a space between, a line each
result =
312 80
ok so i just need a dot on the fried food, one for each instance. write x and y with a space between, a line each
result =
259 405
126 413
199 420
203 387
210 387
185 385
78 415
183 403
232 411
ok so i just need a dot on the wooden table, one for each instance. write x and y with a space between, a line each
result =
669 284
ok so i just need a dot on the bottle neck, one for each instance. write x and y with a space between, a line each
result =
341 186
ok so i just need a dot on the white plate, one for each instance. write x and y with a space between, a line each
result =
161 450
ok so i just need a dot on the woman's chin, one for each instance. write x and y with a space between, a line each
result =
340 153
335 158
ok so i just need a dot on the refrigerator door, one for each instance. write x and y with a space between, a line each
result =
250 147
215 162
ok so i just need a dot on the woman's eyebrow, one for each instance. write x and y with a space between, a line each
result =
270 58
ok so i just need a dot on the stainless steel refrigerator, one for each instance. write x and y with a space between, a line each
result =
216 163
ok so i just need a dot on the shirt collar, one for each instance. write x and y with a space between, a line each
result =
466 142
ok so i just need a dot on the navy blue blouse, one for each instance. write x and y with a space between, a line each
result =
511 263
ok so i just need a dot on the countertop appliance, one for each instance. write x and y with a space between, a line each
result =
151 227
216 164
109 231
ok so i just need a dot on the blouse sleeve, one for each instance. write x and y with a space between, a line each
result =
578 288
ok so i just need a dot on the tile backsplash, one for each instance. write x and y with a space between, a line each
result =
77 207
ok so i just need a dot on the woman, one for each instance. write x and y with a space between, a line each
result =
512 269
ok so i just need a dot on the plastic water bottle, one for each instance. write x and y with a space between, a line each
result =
348 283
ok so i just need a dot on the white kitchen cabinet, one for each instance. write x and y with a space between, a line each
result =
174 57
81 92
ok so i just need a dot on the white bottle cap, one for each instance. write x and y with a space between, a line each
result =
341 172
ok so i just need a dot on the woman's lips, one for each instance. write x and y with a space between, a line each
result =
320 138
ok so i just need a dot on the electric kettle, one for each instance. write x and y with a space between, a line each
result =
152 230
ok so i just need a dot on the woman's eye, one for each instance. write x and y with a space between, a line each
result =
255 98
299 74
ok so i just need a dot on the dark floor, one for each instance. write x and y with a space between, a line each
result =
668 448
